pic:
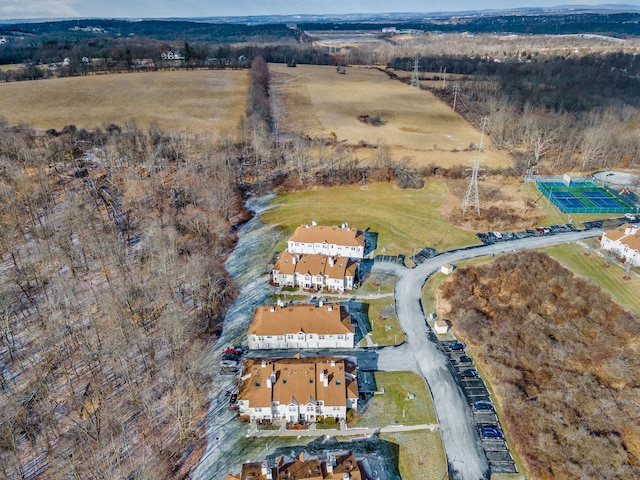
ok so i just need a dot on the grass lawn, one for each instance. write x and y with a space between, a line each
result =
610 278
385 328
387 408
421 456
404 219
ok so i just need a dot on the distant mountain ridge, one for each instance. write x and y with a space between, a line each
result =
367 17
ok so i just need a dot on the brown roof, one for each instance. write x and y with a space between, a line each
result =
276 320
348 236
286 263
294 383
340 267
345 463
251 470
311 264
335 391
254 383
620 234
315 264
296 379
301 468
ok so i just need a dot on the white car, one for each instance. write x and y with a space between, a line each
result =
497 235
629 216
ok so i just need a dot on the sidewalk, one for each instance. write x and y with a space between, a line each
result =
342 431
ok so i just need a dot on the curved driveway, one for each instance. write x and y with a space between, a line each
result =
465 456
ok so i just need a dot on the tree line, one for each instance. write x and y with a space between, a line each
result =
552 114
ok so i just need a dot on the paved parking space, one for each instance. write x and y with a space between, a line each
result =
397 259
474 388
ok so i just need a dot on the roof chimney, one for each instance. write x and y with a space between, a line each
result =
320 303
326 379
333 363
329 308
330 463
313 222
294 260
264 363
263 468
331 261
272 309
346 476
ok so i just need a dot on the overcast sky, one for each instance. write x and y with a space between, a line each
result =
17 9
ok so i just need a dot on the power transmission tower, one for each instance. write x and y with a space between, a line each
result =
444 78
472 199
456 92
485 121
415 81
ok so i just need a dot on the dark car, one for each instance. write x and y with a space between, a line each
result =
469 373
491 432
231 357
456 347
465 359
483 406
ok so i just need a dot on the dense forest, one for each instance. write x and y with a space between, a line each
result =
562 358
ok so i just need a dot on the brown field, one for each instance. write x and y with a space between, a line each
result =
318 101
197 101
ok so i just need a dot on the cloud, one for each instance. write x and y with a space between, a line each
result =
37 9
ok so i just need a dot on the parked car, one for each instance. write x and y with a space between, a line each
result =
508 235
235 350
483 406
456 347
629 216
469 373
498 235
491 432
465 359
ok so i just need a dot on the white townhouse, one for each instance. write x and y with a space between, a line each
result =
342 241
624 241
297 389
312 271
301 326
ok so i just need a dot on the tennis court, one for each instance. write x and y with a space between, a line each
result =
582 197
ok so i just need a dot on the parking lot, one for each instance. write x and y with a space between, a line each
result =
484 415
399 259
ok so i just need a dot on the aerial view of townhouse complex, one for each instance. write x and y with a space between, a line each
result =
355 246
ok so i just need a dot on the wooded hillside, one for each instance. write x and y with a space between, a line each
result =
562 358
112 289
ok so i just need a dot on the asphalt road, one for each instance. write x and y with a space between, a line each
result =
423 353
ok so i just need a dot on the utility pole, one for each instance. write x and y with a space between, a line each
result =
456 92
415 81
472 199
444 79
